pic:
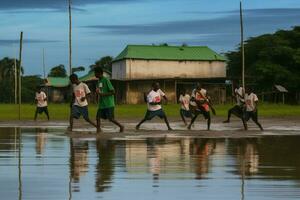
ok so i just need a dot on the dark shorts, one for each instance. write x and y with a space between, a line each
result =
40 110
186 113
201 110
237 110
77 111
250 115
106 113
151 114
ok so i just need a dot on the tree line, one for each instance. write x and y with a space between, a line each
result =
60 70
29 83
270 59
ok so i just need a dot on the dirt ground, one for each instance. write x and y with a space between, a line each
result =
157 128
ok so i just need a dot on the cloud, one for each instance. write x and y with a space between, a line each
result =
262 11
51 4
10 42
221 32
255 21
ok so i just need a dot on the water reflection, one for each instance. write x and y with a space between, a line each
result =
247 156
41 139
79 162
201 150
245 168
105 165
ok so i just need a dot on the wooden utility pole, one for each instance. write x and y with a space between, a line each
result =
44 69
20 73
16 79
70 37
242 47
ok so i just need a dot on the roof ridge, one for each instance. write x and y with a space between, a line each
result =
169 46
151 52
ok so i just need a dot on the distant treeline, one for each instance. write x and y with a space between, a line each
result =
270 59
29 83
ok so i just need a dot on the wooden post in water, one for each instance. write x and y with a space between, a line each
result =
70 37
242 47
20 165
20 73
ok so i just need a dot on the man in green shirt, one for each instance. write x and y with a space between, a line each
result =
106 105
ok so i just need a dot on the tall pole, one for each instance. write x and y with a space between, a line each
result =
16 79
44 70
20 73
70 37
242 46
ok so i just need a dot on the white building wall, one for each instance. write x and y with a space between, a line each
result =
155 69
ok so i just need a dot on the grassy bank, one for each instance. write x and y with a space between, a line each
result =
61 111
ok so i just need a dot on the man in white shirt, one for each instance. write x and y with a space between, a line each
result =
79 101
200 105
185 111
238 109
154 99
251 102
41 103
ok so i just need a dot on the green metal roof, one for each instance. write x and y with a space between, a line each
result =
91 76
151 52
64 81
88 77
57 81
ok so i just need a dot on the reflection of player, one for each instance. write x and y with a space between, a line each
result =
154 106
203 149
41 137
153 160
105 165
79 158
248 157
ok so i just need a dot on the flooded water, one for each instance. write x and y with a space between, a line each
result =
46 164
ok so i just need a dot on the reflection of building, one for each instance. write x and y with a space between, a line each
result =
41 137
78 159
157 157
105 166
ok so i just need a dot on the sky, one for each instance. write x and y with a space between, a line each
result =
105 27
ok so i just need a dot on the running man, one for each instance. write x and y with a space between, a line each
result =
251 103
200 105
41 103
106 106
185 112
154 99
79 101
238 109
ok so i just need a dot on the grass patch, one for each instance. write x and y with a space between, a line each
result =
61 111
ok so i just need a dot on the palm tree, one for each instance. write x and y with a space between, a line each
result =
7 68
